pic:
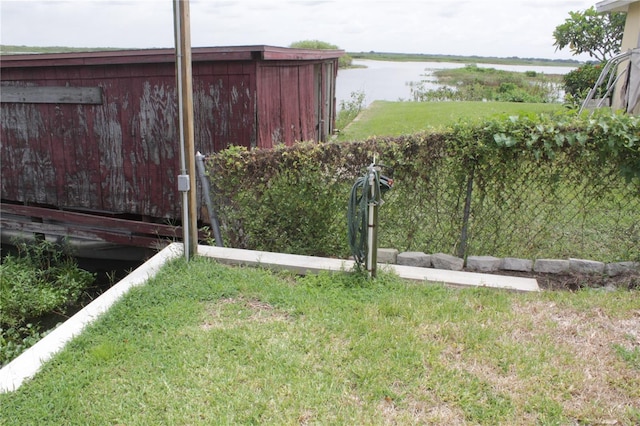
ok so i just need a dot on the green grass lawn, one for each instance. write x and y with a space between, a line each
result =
203 343
383 118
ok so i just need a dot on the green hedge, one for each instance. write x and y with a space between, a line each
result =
526 186
579 81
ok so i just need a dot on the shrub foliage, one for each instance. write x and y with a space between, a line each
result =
598 34
473 83
343 62
526 186
40 280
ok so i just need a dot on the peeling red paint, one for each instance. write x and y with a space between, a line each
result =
122 156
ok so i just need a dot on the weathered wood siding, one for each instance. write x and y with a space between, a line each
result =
111 145
224 105
304 109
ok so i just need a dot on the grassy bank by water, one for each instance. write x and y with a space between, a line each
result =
384 118
419 57
208 344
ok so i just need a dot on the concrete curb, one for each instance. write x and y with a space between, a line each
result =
311 264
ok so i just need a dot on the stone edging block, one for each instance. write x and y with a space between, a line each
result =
446 261
551 266
492 264
387 255
516 264
483 263
618 268
414 258
583 266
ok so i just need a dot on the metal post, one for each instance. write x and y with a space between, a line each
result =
187 178
462 248
206 193
372 228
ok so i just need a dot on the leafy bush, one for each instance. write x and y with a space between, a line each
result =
578 82
15 340
350 109
305 203
541 186
292 205
40 280
343 62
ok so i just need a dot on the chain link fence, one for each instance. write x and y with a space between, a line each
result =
527 209
505 206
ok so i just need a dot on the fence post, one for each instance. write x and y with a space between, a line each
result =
462 247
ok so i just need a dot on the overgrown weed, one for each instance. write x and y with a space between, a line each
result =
40 280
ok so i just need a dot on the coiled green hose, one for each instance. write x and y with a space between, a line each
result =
360 198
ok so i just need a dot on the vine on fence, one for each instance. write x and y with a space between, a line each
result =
540 186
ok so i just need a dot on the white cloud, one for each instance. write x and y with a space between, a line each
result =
479 27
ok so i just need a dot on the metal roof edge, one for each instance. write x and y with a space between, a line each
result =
280 53
164 55
614 5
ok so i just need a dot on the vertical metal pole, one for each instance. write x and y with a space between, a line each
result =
185 106
183 161
462 248
372 228
206 194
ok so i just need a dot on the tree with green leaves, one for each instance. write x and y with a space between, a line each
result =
597 34
344 61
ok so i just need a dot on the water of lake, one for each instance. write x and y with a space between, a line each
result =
389 81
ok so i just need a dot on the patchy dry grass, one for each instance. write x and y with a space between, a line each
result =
208 344
233 311
601 382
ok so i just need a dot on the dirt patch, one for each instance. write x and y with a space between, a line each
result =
217 314
415 411
573 282
600 379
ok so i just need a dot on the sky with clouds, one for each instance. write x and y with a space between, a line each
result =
522 28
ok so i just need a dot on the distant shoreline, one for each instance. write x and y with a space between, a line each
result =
419 57
6 49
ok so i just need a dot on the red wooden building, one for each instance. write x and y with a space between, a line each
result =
90 140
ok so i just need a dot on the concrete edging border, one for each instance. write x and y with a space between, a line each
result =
311 264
